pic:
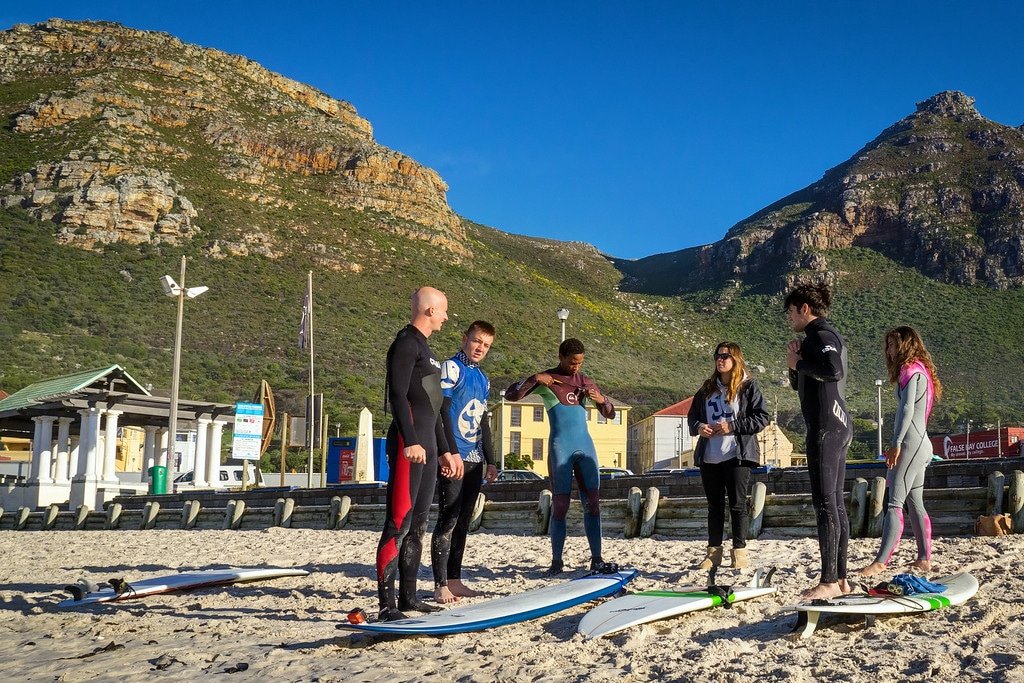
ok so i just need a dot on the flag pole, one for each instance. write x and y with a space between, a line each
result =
310 404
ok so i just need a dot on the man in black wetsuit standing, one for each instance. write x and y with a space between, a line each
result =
817 370
414 439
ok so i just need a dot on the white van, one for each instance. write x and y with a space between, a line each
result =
230 476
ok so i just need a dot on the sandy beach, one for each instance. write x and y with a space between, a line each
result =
284 630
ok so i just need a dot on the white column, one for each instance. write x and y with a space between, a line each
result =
148 451
110 447
61 475
100 448
45 452
199 468
83 484
76 449
37 447
161 451
213 453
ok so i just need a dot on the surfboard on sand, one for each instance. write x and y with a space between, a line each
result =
647 606
90 595
959 589
510 609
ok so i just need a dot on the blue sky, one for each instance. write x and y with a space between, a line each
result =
640 127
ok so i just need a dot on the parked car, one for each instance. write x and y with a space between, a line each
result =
614 472
230 477
518 475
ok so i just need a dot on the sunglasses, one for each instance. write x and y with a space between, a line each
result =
722 356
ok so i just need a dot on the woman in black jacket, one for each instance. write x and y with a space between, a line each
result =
727 413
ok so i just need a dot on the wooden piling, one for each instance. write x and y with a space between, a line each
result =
755 508
876 508
649 517
634 505
543 513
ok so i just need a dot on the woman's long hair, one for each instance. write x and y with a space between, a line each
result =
739 372
908 348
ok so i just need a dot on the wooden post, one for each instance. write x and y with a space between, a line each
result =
756 509
22 519
634 505
283 510
284 445
876 508
858 505
113 516
650 512
82 516
189 513
1016 507
994 502
50 516
149 513
543 513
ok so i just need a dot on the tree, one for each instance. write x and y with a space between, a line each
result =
520 461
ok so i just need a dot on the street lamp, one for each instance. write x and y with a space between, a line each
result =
878 385
967 451
562 314
173 289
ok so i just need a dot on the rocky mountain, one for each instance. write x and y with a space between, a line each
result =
125 117
941 191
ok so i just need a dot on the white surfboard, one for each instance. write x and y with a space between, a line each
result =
646 606
180 582
510 609
959 589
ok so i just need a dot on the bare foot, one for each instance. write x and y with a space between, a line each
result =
823 591
922 565
872 569
847 587
461 590
443 595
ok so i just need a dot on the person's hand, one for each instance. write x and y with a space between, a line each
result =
415 453
451 466
595 395
722 428
892 456
491 474
544 378
792 353
706 431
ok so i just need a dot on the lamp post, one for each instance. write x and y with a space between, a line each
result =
172 288
562 314
878 385
967 450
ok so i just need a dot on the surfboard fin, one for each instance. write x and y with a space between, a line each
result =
762 578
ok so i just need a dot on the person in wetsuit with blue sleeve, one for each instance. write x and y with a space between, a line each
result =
415 438
468 426
565 391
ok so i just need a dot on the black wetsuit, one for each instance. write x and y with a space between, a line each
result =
414 393
820 379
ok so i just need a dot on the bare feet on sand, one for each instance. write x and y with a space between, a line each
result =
921 565
461 590
444 595
872 569
823 591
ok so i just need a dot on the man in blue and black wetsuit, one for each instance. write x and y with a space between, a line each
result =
414 440
818 370
466 389
571 451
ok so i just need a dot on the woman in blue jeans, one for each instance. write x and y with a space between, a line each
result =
727 413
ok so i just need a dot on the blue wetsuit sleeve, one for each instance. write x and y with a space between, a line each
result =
521 388
917 387
486 440
400 365
820 357
756 417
